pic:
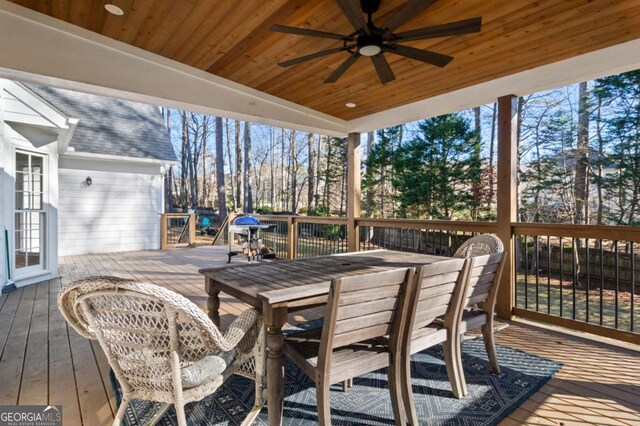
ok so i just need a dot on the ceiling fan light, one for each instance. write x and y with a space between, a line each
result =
113 9
369 50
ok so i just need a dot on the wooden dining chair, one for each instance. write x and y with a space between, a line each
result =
359 309
480 300
438 290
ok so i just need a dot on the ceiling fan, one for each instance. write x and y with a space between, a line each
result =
373 41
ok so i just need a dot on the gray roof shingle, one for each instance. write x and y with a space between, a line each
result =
112 126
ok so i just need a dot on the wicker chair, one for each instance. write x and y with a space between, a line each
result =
160 345
480 245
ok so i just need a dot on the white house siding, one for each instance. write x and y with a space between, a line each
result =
120 211
4 179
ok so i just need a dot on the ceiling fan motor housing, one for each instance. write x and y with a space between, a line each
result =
369 45
369 6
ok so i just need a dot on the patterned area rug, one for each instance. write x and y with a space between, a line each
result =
491 398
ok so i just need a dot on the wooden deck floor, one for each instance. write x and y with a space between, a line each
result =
42 361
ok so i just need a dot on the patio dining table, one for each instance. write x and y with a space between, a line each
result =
277 288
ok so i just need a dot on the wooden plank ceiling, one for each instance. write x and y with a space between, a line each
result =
231 38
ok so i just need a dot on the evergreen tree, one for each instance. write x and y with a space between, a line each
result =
435 169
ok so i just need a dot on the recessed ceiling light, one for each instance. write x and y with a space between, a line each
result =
350 105
113 9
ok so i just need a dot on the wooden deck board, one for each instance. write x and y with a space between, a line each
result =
42 360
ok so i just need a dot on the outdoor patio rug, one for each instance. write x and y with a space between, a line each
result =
491 398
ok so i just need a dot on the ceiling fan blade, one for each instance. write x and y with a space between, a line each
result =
337 73
410 9
354 15
311 56
467 26
432 58
308 32
385 74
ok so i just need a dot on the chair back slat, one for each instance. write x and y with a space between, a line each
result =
484 278
366 308
363 307
437 284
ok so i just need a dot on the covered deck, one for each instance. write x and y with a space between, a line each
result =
43 361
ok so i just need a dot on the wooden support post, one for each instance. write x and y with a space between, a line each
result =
163 231
353 191
192 229
506 196
292 238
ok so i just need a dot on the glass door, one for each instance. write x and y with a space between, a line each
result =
30 215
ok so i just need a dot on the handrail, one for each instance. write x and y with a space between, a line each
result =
328 220
598 232
445 225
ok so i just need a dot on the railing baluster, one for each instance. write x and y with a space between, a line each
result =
601 283
574 272
588 278
526 273
561 276
617 279
633 284
548 274
537 254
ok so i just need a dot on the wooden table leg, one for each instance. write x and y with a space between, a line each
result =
213 301
275 318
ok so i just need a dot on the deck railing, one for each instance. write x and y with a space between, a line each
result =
177 230
578 276
418 236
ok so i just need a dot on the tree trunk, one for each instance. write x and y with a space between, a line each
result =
184 166
311 173
477 155
283 183
192 179
491 151
234 206
238 165
272 152
205 136
600 159
221 187
318 173
327 177
368 204
293 171
168 191
248 196
580 193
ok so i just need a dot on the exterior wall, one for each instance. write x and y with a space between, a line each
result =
3 202
120 211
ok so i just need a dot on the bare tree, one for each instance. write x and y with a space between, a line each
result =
368 205
272 148
311 171
248 196
316 197
293 158
221 187
234 206
238 165
580 189
494 116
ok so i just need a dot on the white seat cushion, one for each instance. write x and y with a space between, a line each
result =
207 369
